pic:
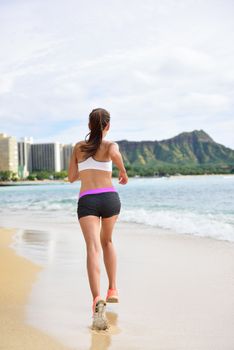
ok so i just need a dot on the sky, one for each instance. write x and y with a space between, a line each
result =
159 67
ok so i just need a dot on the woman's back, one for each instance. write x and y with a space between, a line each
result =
96 171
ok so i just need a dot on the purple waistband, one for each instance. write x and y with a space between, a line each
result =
98 190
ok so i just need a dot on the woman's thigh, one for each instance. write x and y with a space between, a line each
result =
90 226
107 227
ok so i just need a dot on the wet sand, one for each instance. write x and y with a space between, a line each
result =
176 292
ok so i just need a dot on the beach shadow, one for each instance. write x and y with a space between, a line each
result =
40 242
101 340
37 237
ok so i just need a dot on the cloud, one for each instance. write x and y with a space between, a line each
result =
160 68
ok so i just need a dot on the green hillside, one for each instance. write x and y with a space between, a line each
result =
196 150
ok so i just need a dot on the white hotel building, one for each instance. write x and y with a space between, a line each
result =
8 153
24 156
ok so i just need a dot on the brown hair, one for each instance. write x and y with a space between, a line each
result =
98 120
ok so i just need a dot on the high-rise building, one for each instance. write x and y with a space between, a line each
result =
66 155
8 153
24 156
46 156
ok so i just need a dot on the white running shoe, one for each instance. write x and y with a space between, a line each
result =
99 316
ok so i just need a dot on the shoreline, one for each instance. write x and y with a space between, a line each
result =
18 274
131 225
28 182
169 233
50 182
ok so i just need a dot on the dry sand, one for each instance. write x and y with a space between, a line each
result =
17 275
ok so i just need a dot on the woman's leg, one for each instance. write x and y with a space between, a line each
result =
109 254
90 226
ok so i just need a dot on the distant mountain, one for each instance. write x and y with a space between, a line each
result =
188 148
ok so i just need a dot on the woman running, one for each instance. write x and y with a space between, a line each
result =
98 205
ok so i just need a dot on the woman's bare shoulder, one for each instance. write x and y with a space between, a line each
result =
111 143
79 143
77 149
113 147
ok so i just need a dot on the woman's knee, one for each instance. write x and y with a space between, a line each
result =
106 242
93 248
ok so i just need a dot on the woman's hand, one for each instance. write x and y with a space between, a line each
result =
123 177
117 159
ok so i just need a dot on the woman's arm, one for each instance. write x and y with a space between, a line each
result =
117 159
73 173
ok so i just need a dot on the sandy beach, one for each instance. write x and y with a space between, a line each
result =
16 279
176 292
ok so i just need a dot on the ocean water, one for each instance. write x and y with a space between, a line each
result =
196 205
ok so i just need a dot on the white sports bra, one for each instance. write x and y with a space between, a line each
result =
91 163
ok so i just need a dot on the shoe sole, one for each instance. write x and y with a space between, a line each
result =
112 300
100 322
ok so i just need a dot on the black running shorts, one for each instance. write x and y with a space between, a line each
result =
105 204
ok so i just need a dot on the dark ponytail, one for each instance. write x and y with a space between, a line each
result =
98 120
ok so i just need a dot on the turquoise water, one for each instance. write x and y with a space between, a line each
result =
197 205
